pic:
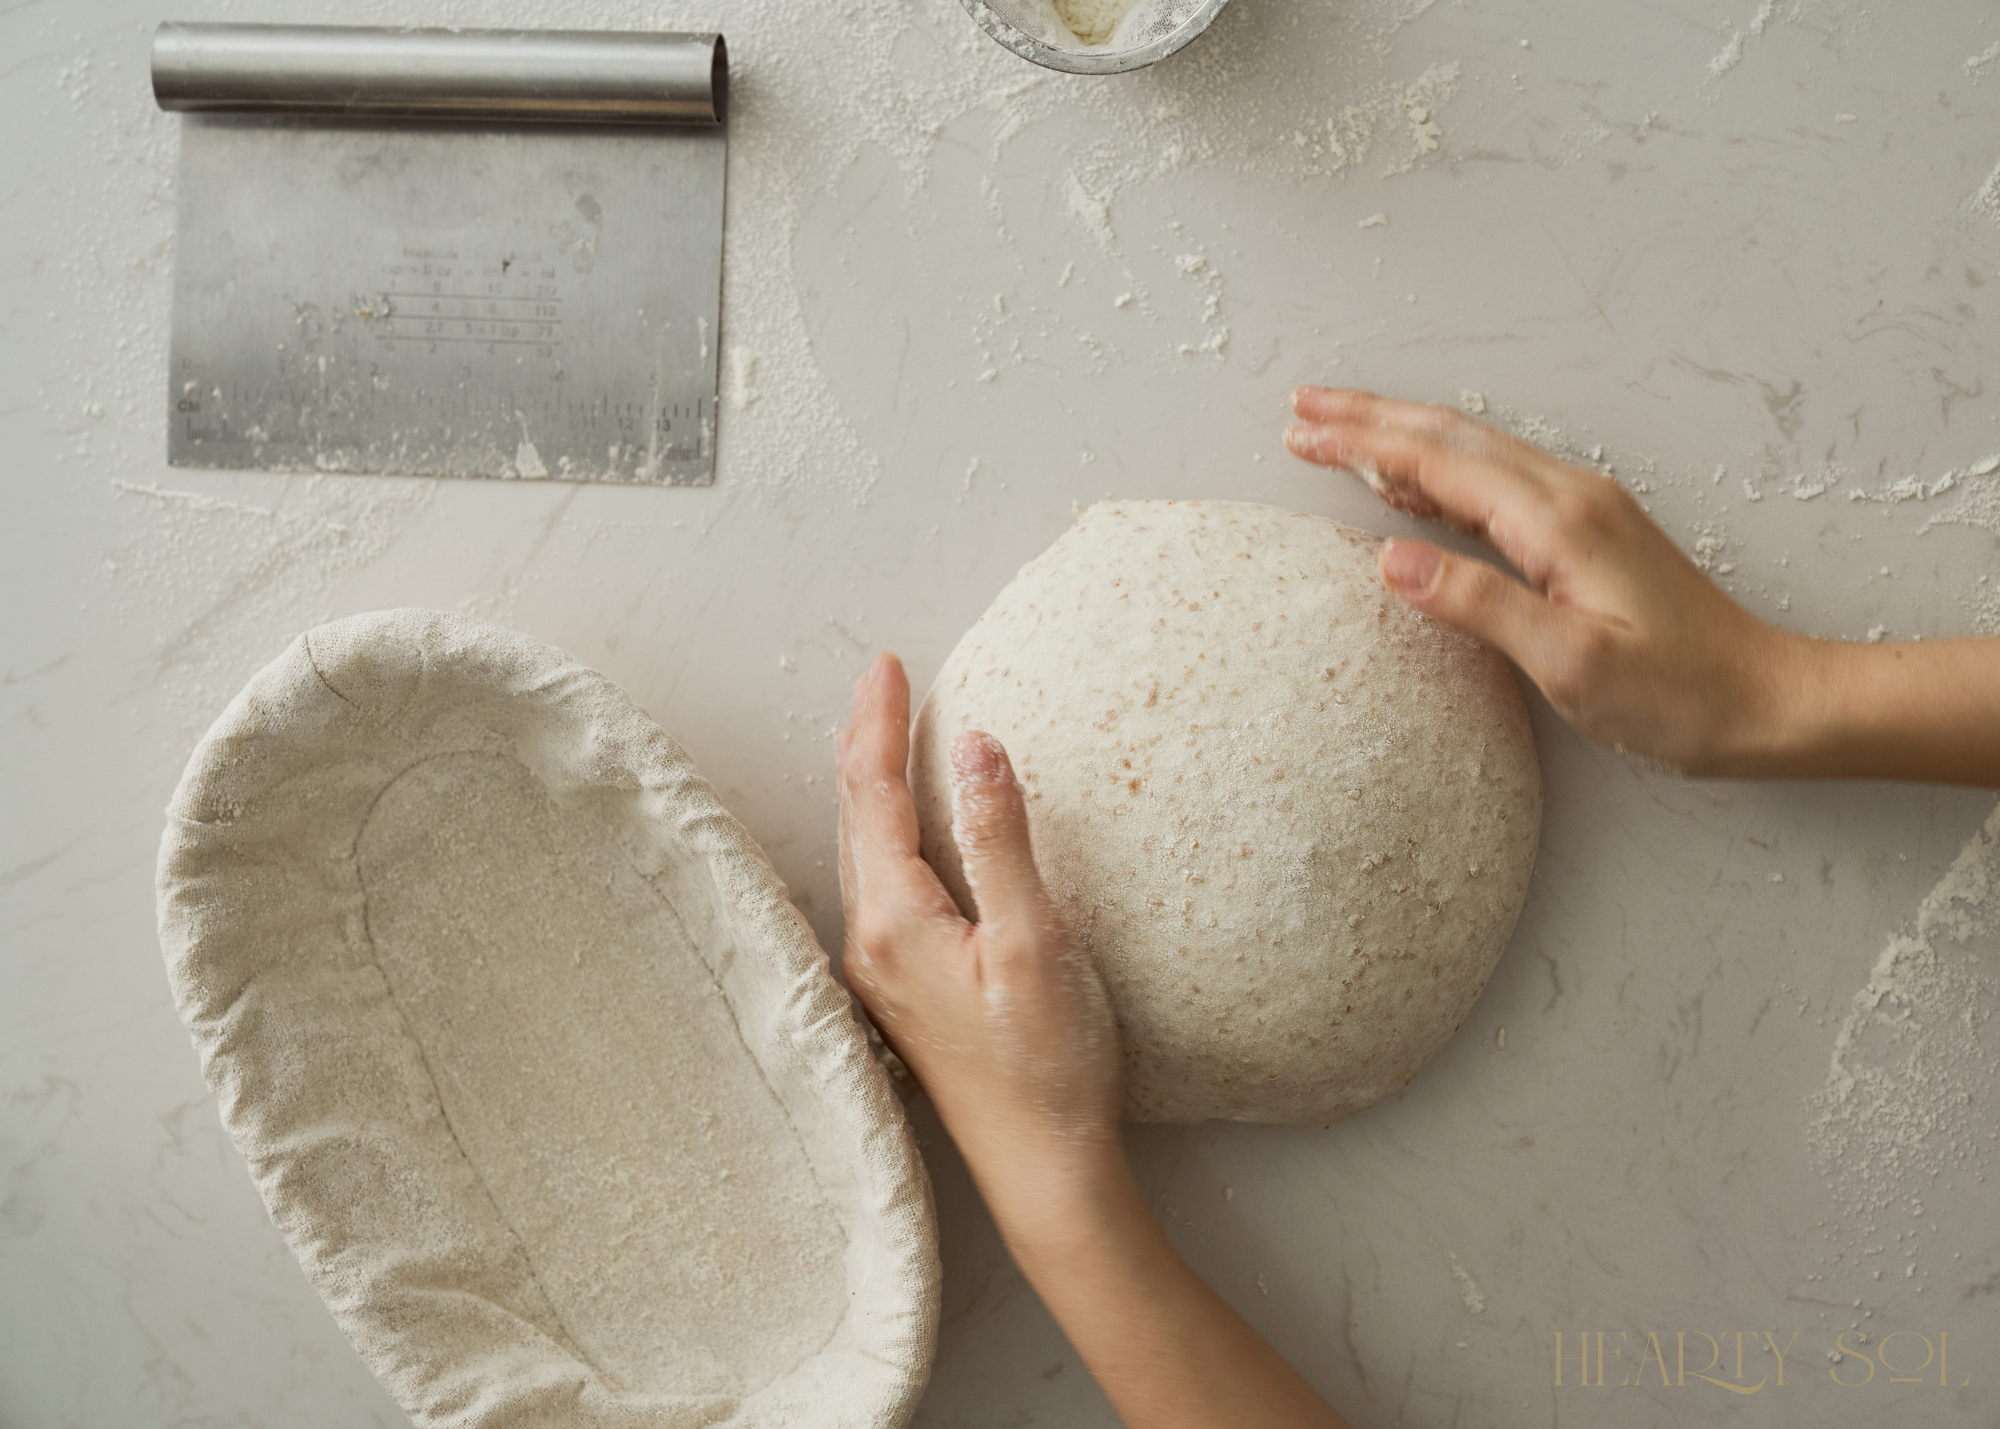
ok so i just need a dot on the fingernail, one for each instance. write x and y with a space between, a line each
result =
1411 567
1295 437
861 684
979 758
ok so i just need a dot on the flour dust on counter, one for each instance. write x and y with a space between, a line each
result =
1830 22
808 103
221 577
1975 493
1905 1113
1469 1293
1731 54
1985 200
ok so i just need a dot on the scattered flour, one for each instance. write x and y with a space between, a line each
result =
1978 504
1349 135
1918 488
1468 1288
1986 200
743 391
1730 57
1731 54
1806 487
1984 58
1539 431
226 582
1707 552
1978 496
1196 268
1985 608
1910 1083
1092 211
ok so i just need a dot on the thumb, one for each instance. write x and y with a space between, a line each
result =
989 822
1473 596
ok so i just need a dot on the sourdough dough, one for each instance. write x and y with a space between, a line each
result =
545 1081
1293 819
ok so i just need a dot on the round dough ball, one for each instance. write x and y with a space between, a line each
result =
1292 819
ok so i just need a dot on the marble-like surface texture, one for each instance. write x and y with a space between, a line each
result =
1735 250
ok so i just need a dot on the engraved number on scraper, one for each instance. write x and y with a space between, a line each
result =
434 300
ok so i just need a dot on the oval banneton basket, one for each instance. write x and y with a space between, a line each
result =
547 1084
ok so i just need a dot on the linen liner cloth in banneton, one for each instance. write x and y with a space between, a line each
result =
541 1075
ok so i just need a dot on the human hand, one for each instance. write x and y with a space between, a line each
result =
1004 1022
1628 640
1006 1025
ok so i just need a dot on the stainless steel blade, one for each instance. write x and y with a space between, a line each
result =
458 299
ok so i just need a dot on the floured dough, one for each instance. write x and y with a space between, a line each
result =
545 1081
1293 820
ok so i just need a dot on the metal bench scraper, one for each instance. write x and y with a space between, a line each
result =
446 252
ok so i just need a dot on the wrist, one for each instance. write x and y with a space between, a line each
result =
1782 710
1817 717
1052 1200
1917 710
1842 709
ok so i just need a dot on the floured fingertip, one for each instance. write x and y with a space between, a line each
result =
1381 485
978 758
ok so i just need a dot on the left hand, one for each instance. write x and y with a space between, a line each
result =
1631 644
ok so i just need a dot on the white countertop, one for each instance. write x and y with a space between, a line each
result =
1742 249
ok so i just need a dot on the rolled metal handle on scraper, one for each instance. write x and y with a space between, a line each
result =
533 76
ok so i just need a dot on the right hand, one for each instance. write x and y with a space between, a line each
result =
1631 644
1004 1022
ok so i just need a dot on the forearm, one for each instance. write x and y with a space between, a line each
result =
1924 710
1168 1351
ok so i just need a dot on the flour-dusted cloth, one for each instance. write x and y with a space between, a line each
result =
548 1085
